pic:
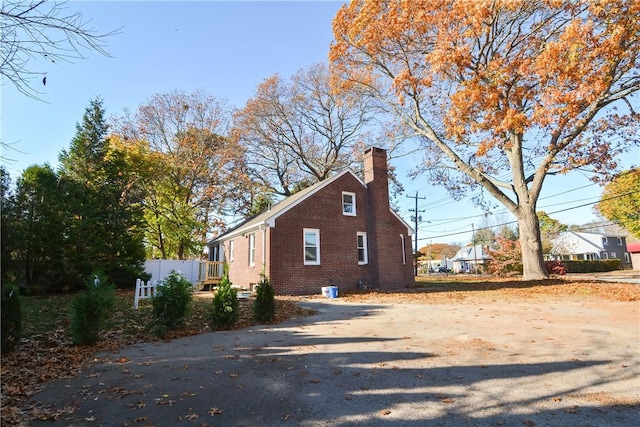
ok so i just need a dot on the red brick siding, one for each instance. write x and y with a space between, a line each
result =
338 242
338 245
240 273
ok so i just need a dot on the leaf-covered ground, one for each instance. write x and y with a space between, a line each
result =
448 289
46 352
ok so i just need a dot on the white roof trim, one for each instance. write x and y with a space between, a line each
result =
410 230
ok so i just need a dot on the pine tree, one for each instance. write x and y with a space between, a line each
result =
225 309
106 232
264 306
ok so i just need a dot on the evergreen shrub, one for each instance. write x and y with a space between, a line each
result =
91 310
264 306
11 317
171 303
225 309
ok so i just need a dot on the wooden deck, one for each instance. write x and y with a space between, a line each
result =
211 272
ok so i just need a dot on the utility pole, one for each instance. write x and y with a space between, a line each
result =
415 229
475 256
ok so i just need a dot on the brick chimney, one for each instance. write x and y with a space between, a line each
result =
376 177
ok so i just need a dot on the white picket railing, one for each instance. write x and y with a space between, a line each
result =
143 291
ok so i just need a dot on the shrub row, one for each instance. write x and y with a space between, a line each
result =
92 308
595 266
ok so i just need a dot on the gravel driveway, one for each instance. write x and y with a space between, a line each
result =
565 361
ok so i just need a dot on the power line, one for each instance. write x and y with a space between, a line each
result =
548 213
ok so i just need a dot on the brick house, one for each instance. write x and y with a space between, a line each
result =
338 232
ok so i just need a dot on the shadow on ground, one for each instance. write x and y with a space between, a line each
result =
352 364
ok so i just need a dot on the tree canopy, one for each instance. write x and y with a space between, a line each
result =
61 226
439 251
621 201
499 94
192 172
298 131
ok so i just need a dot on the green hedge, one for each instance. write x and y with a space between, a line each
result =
594 266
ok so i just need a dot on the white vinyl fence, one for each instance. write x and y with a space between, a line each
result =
160 268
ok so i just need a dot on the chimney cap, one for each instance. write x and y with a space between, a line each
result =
379 150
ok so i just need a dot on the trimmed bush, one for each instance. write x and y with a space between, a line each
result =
11 317
506 259
225 309
264 306
592 266
555 267
91 310
171 303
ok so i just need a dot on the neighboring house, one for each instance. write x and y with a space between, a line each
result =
634 250
577 246
426 266
338 232
470 259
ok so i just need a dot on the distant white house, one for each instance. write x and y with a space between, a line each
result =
470 259
578 246
435 266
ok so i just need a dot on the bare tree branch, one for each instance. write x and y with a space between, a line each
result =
33 30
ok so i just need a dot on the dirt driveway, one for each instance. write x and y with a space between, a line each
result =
571 361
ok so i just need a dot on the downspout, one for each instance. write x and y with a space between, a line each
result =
263 227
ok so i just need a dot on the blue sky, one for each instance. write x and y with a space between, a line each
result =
227 49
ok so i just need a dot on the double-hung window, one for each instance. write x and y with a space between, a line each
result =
252 249
311 246
348 203
362 248
231 250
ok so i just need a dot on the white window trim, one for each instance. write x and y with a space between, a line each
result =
365 248
627 258
613 255
404 252
619 241
252 249
316 232
353 207
605 241
231 250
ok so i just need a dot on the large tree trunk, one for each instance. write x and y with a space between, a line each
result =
531 244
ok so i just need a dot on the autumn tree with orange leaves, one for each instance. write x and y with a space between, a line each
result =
500 93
